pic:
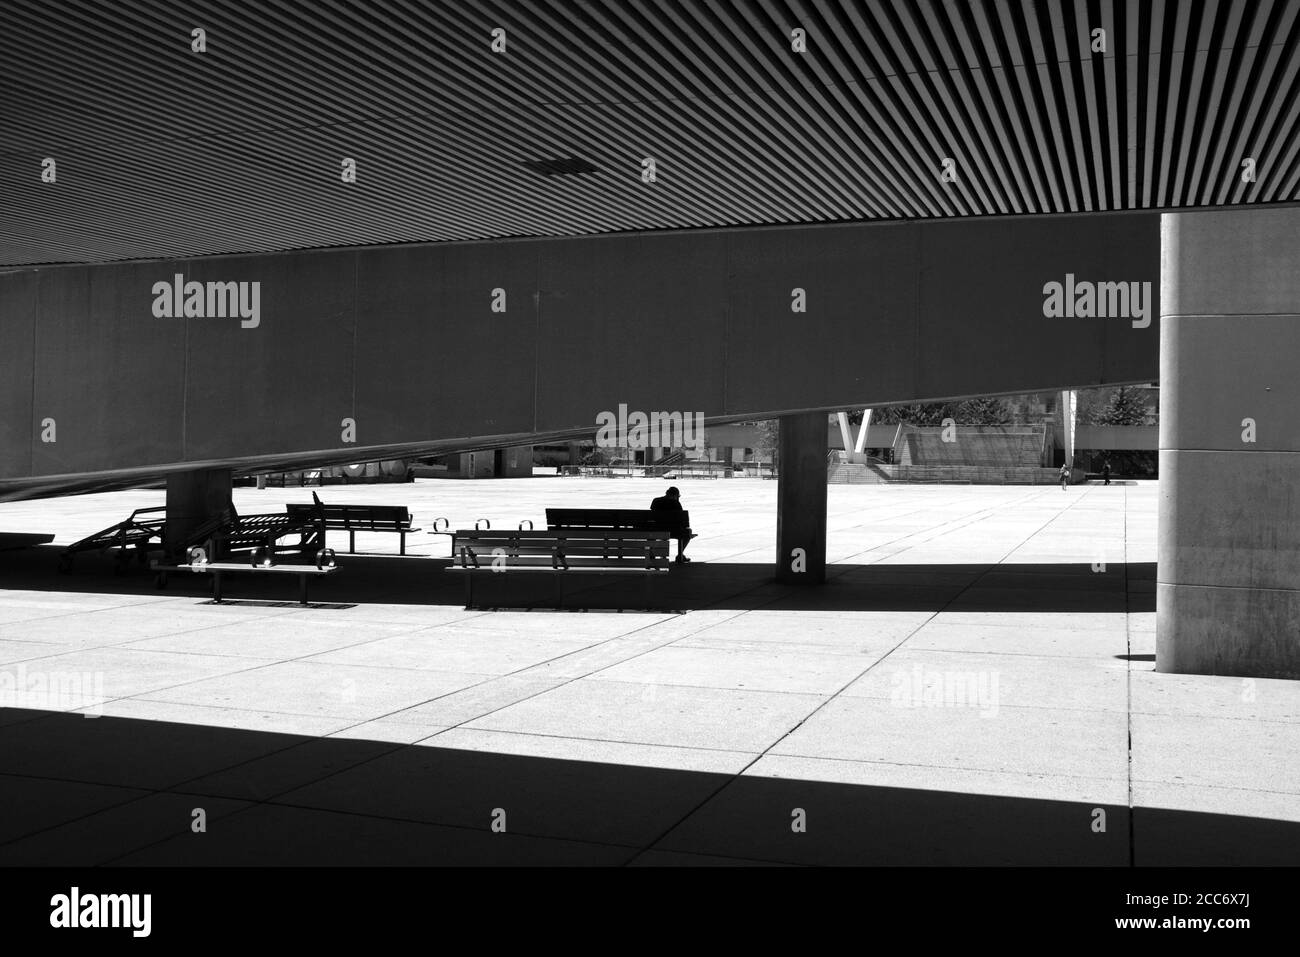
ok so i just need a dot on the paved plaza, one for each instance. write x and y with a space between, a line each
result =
974 684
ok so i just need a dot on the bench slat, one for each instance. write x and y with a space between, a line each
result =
558 518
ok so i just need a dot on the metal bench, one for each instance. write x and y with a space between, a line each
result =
218 569
360 518
275 534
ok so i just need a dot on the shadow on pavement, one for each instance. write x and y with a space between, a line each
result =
1068 588
78 791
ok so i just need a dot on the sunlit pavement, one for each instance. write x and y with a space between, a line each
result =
974 684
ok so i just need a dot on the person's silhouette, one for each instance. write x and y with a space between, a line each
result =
669 503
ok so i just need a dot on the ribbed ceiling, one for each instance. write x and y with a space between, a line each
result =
163 152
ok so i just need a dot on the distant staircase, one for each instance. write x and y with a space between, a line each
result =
668 463
989 446
980 455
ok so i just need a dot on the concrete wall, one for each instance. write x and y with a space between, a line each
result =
405 342
1126 437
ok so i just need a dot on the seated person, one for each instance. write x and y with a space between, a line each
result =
670 501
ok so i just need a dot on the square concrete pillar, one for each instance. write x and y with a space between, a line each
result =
1228 581
801 500
193 498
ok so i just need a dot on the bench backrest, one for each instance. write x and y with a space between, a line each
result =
563 548
633 518
361 518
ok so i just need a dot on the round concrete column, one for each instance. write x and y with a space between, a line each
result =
1228 582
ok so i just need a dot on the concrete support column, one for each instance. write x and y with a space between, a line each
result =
1069 401
192 499
1228 582
846 437
860 446
801 500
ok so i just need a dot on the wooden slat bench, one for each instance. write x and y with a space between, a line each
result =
361 518
603 551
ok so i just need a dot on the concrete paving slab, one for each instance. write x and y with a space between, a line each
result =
977 735
1103 792
1018 681
605 654
606 803
411 615
859 633
128 753
1246 699
125 624
496 652
107 835
33 804
563 625
720 719
709 761
1177 825
1236 802
806 673
81 679
219 716
390 730
286 638
997 634
1217 752
304 837
459 707
344 691
27 650
298 765
821 823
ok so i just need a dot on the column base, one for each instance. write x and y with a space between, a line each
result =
1240 632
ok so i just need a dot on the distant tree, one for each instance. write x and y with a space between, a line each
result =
1124 406
988 410
769 436
980 411
930 413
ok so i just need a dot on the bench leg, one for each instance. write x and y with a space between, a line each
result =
559 590
469 590
352 542
216 587
302 589
403 543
